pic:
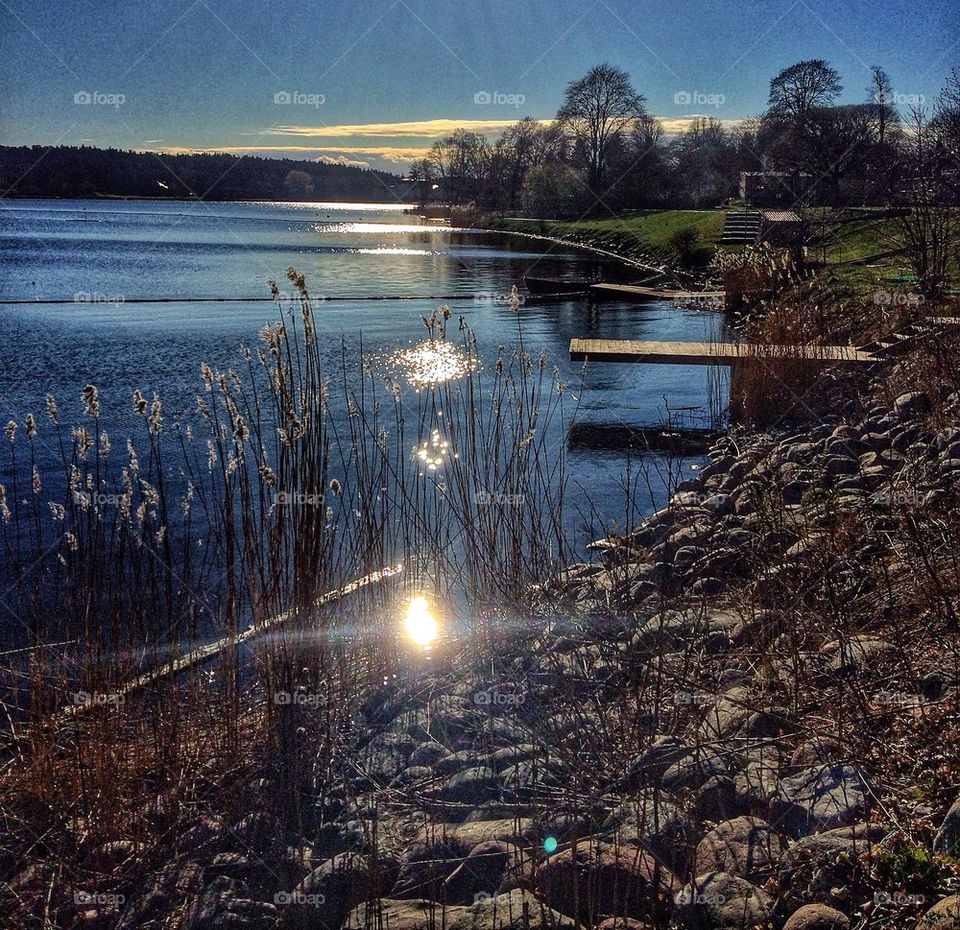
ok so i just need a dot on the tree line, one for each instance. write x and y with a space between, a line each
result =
83 171
604 151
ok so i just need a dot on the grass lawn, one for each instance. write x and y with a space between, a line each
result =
642 230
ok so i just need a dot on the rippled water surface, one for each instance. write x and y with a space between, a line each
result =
102 256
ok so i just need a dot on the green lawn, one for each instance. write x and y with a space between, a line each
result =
638 230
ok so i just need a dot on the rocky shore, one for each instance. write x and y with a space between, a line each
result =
743 715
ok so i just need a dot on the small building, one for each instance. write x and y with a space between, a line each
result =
781 227
773 188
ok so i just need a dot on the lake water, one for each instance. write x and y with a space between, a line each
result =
103 255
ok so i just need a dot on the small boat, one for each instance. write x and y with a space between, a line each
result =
556 285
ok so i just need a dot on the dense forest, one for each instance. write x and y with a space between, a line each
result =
69 171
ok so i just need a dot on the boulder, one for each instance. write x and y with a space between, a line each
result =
477 783
648 768
720 901
593 877
820 798
947 839
220 905
828 864
654 823
747 847
479 874
324 898
817 917
944 915
912 403
515 910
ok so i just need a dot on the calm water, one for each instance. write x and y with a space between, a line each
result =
107 254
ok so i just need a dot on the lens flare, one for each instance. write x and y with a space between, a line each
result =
420 624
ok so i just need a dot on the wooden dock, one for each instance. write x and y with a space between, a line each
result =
638 292
709 353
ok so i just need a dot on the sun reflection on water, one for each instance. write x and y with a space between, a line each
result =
434 452
432 362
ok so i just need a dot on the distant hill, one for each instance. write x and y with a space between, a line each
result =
70 171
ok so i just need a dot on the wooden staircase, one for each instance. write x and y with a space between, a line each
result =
741 227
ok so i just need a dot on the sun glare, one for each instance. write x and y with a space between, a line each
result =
420 624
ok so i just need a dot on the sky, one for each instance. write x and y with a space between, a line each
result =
375 82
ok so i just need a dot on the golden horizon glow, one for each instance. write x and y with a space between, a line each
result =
400 151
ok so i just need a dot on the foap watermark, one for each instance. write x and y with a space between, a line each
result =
688 896
96 98
297 98
694 699
899 497
96 699
490 298
686 98
499 696
85 499
283 898
498 499
482 897
485 98
298 499
898 99
95 297
299 698
894 698
99 897
896 299
899 898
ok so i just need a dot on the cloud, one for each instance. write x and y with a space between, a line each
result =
391 153
426 129
340 154
342 160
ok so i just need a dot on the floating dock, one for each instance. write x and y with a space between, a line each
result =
710 353
639 292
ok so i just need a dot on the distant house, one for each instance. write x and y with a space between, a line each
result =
773 188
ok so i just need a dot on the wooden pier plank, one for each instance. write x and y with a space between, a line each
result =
638 292
707 353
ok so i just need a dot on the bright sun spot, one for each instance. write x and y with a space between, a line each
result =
420 624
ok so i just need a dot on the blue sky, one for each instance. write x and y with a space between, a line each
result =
376 81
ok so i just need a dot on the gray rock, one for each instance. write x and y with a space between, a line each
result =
944 915
594 878
947 839
652 822
649 766
821 798
719 901
479 874
815 868
817 917
745 846
220 905
694 769
474 784
324 898
912 404
428 754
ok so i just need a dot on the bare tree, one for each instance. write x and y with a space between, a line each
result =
598 109
421 172
946 125
460 159
927 228
880 98
801 87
